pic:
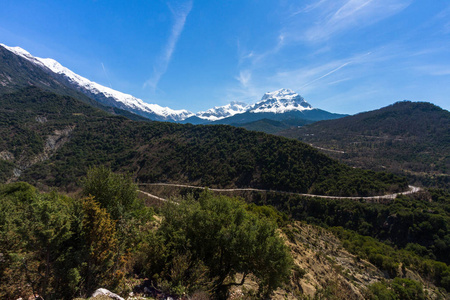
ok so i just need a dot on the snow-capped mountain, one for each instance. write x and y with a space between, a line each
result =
102 94
283 105
221 112
47 73
279 102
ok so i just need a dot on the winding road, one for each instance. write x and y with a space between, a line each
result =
383 198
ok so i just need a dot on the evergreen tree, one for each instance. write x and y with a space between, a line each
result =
100 245
226 238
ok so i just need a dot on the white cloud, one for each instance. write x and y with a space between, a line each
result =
325 75
434 70
311 77
180 14
255 59
333 17
244 77
309 7
106 75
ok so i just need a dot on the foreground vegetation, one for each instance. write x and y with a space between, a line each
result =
61 247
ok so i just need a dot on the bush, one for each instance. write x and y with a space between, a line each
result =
115 192
215 238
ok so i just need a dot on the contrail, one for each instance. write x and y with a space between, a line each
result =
106 74
329 73
180 14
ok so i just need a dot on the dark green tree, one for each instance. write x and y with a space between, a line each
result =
222 235
115 192
99 233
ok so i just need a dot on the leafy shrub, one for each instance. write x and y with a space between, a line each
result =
216 238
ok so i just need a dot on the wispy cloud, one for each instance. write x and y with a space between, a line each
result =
180 13
310 77
253 58
106 74
244 77
333 17
325 75
309 7
443 18
249 61
434 70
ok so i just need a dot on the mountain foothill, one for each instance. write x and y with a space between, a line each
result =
214 156
73 154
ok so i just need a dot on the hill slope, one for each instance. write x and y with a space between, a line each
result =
409 137
95 92
17 72
52 140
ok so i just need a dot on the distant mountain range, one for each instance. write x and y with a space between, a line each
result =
280 105
283 105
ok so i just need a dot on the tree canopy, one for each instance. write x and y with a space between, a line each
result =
217 232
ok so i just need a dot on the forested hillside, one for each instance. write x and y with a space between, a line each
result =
51 140
410 138
205 247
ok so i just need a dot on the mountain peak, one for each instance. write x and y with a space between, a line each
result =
17 50
221 112
281 93
281 101
102 94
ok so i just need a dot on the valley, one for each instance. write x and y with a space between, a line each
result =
272 200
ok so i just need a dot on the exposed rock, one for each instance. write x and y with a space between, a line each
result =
17 172
41 119
6 155
52 144
105 292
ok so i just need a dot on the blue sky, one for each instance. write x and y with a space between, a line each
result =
343 56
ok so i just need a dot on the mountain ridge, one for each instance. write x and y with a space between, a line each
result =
17 72
102 94
214 156
272 104
410 138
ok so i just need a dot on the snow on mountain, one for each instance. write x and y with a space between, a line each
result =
124 101
221 112
280 101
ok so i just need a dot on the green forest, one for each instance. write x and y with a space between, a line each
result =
213 156
407 138
61 247
71 220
